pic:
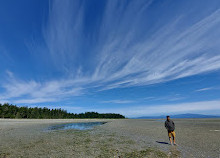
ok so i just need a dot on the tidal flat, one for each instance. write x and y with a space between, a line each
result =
121 138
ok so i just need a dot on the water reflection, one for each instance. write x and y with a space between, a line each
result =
79 126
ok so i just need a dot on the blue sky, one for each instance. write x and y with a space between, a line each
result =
145 57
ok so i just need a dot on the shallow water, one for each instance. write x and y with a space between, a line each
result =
79 126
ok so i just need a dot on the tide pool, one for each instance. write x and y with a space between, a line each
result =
78 125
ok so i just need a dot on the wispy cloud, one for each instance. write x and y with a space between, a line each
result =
150 110
121 61
119 51
166 56
173 97
3 101
118 101
36 92
204 89
63 32
148 98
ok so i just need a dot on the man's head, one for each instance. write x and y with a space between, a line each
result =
168 118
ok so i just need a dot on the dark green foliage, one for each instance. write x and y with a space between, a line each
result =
12 111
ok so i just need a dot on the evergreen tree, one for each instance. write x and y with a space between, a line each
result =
12 111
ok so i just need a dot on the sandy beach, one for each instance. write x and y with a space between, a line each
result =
116 138
195 137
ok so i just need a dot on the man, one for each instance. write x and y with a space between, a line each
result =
170 126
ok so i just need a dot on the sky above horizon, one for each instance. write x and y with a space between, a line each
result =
137 58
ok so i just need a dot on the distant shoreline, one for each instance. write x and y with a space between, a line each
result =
180 116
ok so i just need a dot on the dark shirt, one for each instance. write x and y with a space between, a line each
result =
170 126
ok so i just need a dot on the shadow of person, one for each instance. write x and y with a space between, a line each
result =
162 142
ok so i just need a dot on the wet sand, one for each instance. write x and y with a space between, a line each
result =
117 138
30 138
195 137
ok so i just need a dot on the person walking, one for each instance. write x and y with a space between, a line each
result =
170 126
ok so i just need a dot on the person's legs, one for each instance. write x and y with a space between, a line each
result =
174 135
174 140
170 140
169 135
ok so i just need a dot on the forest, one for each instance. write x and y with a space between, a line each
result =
13 111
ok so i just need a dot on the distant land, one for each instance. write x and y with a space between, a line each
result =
188 115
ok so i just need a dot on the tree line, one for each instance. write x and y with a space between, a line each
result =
13 111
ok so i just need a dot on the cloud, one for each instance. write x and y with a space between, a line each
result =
173 97
164 109
120 56
35 100
37 92
120 50
62 33
118 101
168 55
149 98
204 89
10 74
3 101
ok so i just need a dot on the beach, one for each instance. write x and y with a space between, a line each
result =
116 138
